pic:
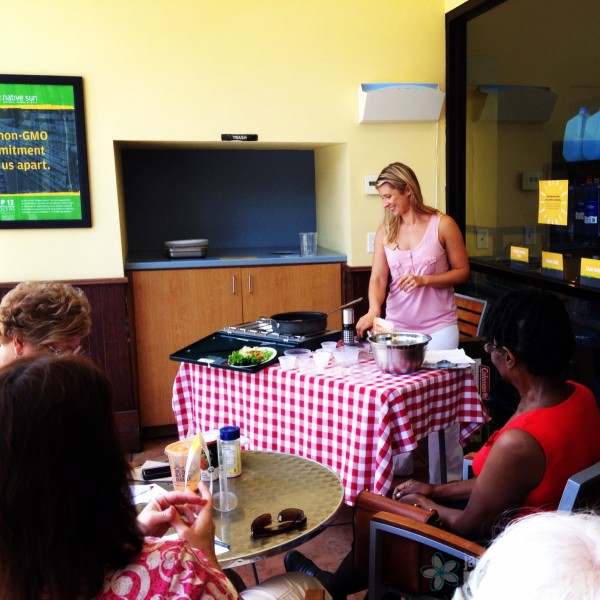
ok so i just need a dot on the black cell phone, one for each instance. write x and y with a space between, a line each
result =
151 473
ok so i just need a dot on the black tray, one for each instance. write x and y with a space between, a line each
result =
214 349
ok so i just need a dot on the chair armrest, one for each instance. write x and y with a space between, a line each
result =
317 594
430 535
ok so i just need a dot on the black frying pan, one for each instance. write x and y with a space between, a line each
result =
304 322
299 323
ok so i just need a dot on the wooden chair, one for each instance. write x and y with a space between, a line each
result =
470 312
445 555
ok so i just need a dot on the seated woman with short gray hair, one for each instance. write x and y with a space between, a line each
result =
40 316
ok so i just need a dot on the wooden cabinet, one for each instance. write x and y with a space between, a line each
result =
269 290
175 307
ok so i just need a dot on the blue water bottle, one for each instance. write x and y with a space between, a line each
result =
573 139
591 138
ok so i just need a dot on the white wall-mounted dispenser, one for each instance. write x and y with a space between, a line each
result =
396 102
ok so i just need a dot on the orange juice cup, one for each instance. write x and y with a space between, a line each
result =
177 453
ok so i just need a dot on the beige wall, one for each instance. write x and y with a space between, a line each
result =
188 70
452 4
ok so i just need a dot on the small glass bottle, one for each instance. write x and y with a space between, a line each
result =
348 331
211 473
231 451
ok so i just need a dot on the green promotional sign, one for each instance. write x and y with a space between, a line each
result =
43 166
37 207
20 94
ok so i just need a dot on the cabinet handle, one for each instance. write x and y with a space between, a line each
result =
233 284
249 284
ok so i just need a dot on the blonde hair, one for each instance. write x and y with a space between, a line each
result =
545 556
44 313
401 176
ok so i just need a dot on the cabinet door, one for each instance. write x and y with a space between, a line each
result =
173 308
269 290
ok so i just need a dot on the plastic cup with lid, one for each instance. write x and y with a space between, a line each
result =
321 358
331 346
287 361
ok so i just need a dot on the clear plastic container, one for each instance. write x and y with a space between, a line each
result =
321 358
331 346
287 362
297 352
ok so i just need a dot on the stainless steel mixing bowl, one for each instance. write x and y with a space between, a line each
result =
399 352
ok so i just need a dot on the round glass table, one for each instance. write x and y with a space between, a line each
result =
270 482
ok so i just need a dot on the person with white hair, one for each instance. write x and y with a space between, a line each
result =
545 556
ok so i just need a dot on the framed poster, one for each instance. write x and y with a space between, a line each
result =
43 157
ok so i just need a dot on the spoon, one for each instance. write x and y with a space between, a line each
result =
345 305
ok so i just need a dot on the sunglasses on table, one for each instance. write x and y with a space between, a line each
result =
287 519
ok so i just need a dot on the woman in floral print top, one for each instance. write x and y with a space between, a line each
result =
68 528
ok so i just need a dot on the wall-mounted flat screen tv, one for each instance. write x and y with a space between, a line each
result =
43 158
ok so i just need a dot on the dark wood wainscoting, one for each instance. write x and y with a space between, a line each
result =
109 345
355 283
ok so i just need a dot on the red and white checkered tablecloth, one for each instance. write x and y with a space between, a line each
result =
352 421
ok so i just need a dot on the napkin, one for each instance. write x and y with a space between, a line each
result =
447 359
143 494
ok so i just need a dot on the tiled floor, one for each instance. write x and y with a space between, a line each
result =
327 549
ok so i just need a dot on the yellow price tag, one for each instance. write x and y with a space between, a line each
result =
590 267
552 260
519 254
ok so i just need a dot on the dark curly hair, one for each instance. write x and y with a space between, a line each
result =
66 515
535 326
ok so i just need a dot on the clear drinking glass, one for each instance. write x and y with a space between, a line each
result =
223 500
308 243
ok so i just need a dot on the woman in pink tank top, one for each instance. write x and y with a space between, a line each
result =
424 252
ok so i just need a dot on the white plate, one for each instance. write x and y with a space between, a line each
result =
272 355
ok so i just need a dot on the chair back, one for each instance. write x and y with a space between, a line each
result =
470 311
582 490
431 564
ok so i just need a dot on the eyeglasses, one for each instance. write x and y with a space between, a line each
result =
489 347
287 519
58 350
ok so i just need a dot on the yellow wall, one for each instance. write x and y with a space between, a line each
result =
452 4
188 70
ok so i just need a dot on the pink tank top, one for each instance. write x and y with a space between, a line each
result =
425 309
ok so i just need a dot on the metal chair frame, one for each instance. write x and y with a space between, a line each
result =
574 496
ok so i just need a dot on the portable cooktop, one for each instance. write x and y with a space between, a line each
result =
214 349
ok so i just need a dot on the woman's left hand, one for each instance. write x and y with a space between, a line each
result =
409 282
419 500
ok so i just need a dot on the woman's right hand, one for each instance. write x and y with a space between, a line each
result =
412 486
199 532
365 323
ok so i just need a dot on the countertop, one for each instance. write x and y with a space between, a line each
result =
231 257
